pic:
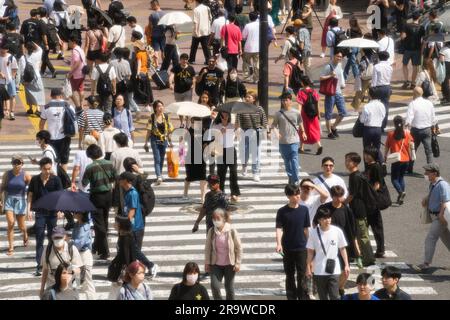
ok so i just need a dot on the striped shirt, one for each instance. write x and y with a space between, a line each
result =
100 174
91 119
253 121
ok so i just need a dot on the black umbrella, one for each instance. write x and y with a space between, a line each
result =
238 107
64 201
102 14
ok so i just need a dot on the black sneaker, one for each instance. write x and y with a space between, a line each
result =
380 255
331 136
30 111
335 133
38 271
319 151
104 256
401 198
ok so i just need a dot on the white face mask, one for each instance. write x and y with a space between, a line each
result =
58 242
218 223
191 278
233 76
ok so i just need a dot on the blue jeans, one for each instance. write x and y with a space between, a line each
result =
330 101
43 220
351 63
159 152
289 153
253 137
398 170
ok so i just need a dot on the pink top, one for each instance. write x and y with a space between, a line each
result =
222 251
234 36
77 55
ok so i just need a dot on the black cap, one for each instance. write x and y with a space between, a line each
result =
213 178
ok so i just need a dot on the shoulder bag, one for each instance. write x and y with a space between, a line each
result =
358 129
395 156
289 120
425 217
330 264
224 50
328 86
435 146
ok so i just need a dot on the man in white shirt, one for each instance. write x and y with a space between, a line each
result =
214 38
53 113
386 43
372 117
132 23
381 82
324 245
105 98
201 31
8 70
328 179
420 117
250 34
288 44
116 35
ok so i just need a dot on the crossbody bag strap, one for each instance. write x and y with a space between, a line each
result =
289 120
321 242
325 184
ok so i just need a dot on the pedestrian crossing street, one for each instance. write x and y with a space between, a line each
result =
170 243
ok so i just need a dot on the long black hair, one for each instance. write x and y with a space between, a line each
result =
399 131
58 273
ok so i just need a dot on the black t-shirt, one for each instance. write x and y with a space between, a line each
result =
343 218
402 13
355 189
211 81
32 30
181 291
39 190
414 34
213 200
293 221
399 294
183 78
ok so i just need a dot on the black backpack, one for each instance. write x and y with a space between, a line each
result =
310 106
14 41
104 85
340 36
146 196
295 49
295 79
86 4
52 34
69 121
29 74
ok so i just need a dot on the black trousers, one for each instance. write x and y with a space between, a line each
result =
295 262
446 84
170 55
103 202
46 62
228 160
375 221
232 61
194 46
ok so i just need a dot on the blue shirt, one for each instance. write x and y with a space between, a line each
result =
355 297
123 121
132 202
81 236
439 195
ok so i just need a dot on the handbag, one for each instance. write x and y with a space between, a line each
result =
115 270
435 146
426 87
425 217
330 264
395 156
328 86
67 89
173 164
439 66
358 129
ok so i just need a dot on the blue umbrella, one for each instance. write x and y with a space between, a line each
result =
64 201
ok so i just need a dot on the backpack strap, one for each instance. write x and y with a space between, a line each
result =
52 294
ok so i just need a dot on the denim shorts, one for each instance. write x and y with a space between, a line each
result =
11 88
15 204
158 43
337 100
414 56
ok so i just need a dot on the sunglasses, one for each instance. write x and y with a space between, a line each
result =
328 165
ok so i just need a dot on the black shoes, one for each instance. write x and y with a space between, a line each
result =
335 133
319 151
401 198
38 272
380 255
331 136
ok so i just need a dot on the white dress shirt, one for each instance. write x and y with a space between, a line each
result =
387 44
382 74
217 26
373 114
420 114
202 21
251 35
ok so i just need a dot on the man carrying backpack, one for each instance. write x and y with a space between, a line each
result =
58 251
290 43
292 72
33 30
103 79
334 36
55 112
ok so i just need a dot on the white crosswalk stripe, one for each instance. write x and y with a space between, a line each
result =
170 243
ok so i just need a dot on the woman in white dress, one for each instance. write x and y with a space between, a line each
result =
428 73
34 90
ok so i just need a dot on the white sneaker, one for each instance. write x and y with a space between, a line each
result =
244 171
256 178
158 181
322 55
154 271
185 198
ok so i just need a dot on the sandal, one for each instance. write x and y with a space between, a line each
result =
25 242
10 252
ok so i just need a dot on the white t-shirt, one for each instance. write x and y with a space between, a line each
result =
7 64
387 44
112 72
139 29
312 203
251 35
117 33
217 26
333 240
53 112
49 152
202 21
332 181
82 160
446 53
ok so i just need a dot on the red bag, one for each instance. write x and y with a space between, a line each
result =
328 87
